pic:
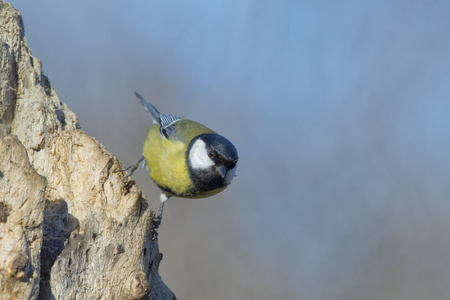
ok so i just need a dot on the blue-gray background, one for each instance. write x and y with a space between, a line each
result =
339 111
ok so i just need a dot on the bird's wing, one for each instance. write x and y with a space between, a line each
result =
167 123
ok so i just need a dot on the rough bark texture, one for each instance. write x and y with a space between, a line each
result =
70 228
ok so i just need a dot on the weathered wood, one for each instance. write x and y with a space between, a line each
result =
70 228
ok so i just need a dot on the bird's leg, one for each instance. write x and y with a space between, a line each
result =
131 168
157 220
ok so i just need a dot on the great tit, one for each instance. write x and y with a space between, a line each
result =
184 158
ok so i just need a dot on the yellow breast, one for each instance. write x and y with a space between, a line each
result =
166 161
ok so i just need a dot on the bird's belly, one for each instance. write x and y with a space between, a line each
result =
166 161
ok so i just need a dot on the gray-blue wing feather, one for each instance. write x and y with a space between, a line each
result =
168 125
167 122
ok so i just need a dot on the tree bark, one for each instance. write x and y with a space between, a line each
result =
70 227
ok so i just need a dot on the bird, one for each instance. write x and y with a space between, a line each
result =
184 158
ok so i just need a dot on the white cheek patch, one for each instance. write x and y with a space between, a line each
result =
230 175
198 156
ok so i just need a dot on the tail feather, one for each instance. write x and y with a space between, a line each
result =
152 111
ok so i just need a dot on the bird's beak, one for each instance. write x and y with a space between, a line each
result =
222 171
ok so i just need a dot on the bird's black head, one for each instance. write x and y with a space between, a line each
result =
212 161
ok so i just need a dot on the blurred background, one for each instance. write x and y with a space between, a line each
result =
339 111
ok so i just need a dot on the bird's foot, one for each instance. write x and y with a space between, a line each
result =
154 234
156 221
131 168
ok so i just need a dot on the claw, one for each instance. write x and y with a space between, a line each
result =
156 221
154 234
131 168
